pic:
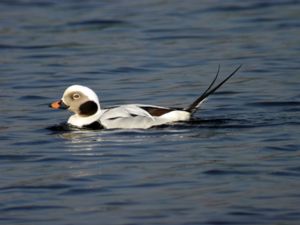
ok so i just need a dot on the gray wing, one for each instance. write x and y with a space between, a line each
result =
133 116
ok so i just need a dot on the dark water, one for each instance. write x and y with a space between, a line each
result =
238 163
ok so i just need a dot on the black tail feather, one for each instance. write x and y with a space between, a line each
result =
210 91
211 84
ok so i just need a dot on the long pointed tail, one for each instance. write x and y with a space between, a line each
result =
210 90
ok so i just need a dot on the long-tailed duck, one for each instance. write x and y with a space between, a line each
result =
84 103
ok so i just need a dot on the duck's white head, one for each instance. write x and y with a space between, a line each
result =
83 102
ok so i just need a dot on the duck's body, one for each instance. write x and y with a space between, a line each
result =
131 116
135 116
87 112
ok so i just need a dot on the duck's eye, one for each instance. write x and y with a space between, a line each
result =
76 96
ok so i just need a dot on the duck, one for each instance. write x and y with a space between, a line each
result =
84 103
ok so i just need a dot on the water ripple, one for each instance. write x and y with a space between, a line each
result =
97 23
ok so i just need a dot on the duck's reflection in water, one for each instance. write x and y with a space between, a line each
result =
81 141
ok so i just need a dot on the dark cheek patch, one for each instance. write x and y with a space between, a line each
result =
88 108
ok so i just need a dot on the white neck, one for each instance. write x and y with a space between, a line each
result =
80 121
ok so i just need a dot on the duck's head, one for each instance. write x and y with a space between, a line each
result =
83 102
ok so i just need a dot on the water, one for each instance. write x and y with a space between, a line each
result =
237 163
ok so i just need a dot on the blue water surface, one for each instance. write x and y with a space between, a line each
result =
236 163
